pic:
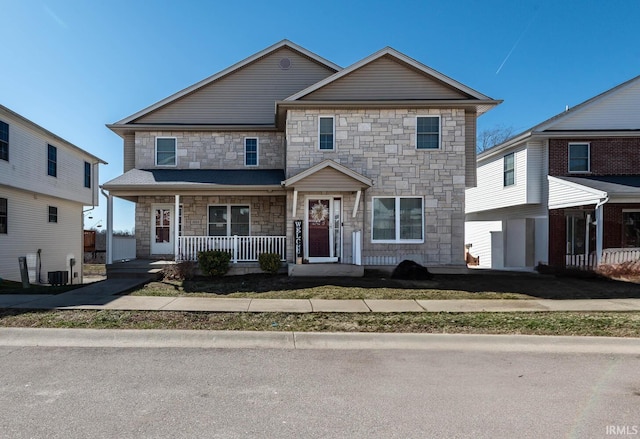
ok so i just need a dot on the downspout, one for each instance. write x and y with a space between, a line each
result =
109 226
600 228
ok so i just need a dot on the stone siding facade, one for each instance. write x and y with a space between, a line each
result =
381 145
211 150
266 216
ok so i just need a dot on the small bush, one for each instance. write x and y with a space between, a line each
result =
269 262
214 262
184 270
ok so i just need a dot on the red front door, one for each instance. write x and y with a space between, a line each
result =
318 220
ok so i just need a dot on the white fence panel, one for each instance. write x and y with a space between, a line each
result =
124 247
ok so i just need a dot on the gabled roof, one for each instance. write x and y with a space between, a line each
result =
227 71
388 51
546 127
359 179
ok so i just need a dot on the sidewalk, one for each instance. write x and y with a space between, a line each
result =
107 295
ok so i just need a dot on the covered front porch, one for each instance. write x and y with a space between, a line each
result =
594 220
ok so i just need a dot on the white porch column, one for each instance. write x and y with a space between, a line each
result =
176 229
295 202
599 230
109 229
356 205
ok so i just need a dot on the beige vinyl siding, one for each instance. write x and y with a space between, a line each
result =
27 165
129 152
470 148
382 79
245 97
328 179
618 111
29 230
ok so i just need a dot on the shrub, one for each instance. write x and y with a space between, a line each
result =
269 262
184 270
214 262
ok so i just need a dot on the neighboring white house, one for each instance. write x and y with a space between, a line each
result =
563 191
44 183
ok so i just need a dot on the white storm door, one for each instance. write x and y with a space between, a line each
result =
162 231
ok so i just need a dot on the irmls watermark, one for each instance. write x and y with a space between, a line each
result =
622 430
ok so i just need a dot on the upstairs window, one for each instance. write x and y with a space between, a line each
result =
4 141
52 161
326 132
87 174
165 151
579 157
428 132
251 151
53 214
509 169
3 216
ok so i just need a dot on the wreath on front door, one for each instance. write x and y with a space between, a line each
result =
319 212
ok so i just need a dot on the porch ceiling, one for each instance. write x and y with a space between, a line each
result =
578 191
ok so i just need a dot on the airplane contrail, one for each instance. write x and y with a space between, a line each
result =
517 42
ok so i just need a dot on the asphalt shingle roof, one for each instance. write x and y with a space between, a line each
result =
195 177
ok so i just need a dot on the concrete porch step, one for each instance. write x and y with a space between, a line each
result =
322 270
136 269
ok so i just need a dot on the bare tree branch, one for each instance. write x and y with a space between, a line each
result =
493 136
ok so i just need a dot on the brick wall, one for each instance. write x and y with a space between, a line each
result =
608 156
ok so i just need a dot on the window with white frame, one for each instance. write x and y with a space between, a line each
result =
251 151
166 151
326 133
579 157
229 220
428 132
509 170
53 214
4 141
4 214
397 220
52 161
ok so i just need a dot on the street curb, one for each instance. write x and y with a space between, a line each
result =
152 338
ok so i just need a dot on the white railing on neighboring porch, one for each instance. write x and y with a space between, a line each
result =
241 248
620 255
610 256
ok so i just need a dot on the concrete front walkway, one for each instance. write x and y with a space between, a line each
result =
108 294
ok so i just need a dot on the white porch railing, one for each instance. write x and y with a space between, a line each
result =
610 256
242 248
620 255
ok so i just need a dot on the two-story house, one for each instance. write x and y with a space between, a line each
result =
565 192
287 152
44 183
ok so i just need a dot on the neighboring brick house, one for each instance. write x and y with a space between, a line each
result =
287 152
45 182
565 192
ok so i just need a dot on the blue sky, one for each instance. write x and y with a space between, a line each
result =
73 66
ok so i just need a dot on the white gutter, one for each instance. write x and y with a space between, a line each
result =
600 227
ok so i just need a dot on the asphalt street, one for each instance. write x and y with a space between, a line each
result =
107 392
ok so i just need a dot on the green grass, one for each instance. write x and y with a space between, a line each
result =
612 324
